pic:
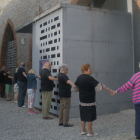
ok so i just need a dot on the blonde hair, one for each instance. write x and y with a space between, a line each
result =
31 71
16 70
85 67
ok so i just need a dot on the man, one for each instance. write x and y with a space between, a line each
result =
2 81
65 96
22 83
46 89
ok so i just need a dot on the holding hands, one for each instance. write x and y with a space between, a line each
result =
112 92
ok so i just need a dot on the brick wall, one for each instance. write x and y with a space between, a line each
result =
20 12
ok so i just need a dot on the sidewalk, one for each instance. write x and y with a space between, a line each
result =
17 124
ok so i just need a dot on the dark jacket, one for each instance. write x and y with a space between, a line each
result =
32 83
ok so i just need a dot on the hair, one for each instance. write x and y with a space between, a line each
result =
23 64
63 67
16 70
31 71
85 67
46 63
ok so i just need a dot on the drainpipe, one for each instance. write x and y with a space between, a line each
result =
130 10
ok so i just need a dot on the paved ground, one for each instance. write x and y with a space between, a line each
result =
16 124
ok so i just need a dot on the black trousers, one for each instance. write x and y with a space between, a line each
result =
3 90
22 93
137 120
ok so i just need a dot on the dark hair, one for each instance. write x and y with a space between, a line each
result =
23 64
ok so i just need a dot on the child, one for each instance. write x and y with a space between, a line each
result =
8 84
16 88
31 89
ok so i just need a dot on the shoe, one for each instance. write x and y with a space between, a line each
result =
68 125
24 106
34 112
47 118
30 112
60 124
83 133
138 138
92 135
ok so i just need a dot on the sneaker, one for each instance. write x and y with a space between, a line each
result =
92 135
83 133
24 106
16 102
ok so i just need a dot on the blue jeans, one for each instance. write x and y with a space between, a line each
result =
137 120
3 90
22 93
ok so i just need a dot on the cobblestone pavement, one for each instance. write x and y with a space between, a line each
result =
17 124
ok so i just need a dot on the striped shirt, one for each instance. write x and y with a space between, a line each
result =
133 83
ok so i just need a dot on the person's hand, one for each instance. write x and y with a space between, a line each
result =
113 92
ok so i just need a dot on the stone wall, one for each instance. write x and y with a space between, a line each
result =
19 12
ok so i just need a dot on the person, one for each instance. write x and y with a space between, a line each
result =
86 85
46 89
2 80
31 89
16 88
8 84
65 96
133 83
22 83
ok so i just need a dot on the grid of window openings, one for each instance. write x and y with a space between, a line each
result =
11 56
51 48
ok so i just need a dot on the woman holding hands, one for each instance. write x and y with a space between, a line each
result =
87 105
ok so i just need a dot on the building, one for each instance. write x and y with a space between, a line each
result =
104 33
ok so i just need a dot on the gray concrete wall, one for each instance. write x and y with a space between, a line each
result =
120 5
104 40
136 25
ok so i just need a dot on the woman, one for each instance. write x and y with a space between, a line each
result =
133 83
87 105
16 88
8 84
31 89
